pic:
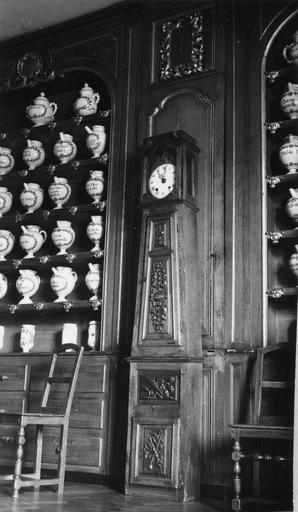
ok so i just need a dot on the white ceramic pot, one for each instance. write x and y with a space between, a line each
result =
93 334
5 200
7 240
31 239
3 285
293 262
65 149
290 52
63 282
59 191
27 337
86 104
31 197
288 153
95 231
96 139
289 101
27 285
69 333
292 204
63 236
95 185
33 154
41 112
93 279
6 161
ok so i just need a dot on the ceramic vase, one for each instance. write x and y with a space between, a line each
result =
63 236
289 101
3 285
7 240
6 161
95 186
42 111
93 334
31 197
63 282
34 154
290 52
27 337
96 139
292 205
31 239
95 231
5 200
59 192
288 153
93 279
69 333
27 285
65 149
87 102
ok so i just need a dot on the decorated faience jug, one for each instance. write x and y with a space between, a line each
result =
5 200
63 236
7 240
59 191
290 52
93 279
288 153
31 197
31 239
289 101
95 185
6 161
33 154
63 282
27 285
86 104
96 139
65 149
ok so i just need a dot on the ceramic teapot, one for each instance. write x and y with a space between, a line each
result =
288 153
95 185
63 282
86 104
7 240
6 161
65 149
5 200
33 154
31 197
63 236
289 101
93 279
290 52
96 139
31 239
42 111
59 191
27 285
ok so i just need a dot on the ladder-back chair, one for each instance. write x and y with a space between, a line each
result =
44 418
272 414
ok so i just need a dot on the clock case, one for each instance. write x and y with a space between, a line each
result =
181 150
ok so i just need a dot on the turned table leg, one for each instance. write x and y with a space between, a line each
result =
236 457
18 464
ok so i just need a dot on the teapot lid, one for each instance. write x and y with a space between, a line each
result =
41 98
86 89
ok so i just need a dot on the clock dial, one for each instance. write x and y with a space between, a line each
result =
162 181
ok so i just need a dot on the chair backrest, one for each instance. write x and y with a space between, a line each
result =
64 374
274 385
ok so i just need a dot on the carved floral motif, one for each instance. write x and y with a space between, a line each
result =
158 296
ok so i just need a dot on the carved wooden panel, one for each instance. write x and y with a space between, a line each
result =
155 448
159 387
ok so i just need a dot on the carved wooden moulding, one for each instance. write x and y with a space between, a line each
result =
163 387
30 70
183 45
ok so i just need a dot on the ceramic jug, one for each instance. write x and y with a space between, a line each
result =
63 282
95 185
7 240
95 231
293 262
288 153
31 239
86 104
96 139
42 111
3 285
59 191
27 285
27 337
6 161
65 149
63 236
93 279
5 200
31 197
289 101
292 204
290 52
33 154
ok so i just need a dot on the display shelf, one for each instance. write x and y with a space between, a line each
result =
275 74
276 236
274 180
277 293
51 307
273 126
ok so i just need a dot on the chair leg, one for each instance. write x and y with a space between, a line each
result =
62 458
17 484
38 458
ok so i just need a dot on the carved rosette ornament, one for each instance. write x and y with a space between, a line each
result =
154 452
158 296
157 388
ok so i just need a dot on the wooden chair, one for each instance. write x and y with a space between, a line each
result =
41 419
272 414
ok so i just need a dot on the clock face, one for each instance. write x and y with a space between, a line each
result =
162 180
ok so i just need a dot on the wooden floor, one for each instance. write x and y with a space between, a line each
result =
95 498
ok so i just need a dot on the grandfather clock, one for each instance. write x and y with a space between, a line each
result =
166 363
